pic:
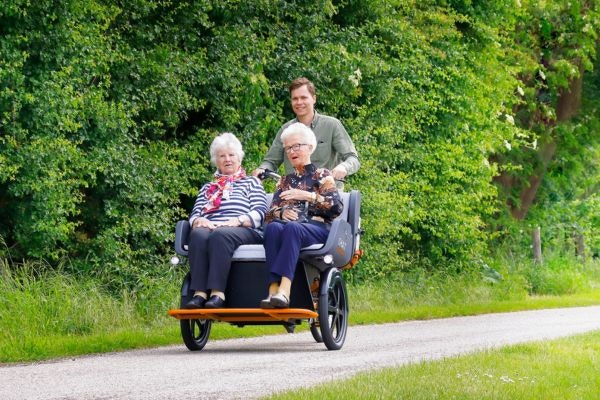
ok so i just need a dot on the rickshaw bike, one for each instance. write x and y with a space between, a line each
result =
318 293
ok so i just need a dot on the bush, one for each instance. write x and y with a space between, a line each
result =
107 110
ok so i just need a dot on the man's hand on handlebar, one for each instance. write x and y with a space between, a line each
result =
257 172
339 173
266 173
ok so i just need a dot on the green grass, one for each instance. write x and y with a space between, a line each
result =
504 287
48 314
381 303
560 369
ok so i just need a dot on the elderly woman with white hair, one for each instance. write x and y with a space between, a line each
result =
303 207
228 212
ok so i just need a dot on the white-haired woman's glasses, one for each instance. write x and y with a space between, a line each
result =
294 147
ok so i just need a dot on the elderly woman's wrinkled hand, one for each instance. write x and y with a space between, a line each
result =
230 222
203 223
289 214
296 194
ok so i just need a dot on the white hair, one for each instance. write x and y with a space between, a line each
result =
225 140
298 128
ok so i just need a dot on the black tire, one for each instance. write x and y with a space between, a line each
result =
315 330
194 332
333 309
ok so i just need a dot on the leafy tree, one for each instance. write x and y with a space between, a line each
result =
556 45
107 109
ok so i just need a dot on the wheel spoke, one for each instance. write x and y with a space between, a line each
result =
332 309
333 301
335 295
196 329
335 321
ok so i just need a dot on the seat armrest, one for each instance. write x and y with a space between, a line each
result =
338 245
353 205
182 231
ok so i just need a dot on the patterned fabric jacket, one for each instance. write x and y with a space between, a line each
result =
320 181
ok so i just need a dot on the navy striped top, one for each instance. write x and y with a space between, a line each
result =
247 198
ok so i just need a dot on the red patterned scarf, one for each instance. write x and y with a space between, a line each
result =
221 188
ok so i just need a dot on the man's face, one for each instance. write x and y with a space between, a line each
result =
303 103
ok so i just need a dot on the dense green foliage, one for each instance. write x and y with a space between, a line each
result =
107 109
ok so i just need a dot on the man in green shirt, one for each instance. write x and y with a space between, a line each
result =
335 150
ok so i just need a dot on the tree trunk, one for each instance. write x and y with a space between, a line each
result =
536 239
579 245
568 105
569 101
528 193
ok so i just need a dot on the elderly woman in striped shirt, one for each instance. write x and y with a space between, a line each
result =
228 212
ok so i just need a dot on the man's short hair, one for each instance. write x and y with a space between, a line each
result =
299 82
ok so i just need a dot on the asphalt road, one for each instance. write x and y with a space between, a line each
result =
251 368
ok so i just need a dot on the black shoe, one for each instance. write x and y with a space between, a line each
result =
195 302
214 302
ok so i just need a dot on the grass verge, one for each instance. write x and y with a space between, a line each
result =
560 369
47 314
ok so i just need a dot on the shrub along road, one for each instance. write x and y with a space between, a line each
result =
250 368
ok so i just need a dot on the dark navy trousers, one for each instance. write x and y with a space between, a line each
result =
283 242
210 254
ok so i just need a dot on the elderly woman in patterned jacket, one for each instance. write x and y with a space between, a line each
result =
303 206
228 212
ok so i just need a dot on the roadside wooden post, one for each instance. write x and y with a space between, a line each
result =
579 245
537 245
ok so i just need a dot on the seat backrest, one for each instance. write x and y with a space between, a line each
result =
345 197
350 214
352 208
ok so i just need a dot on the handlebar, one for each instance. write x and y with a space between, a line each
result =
267 173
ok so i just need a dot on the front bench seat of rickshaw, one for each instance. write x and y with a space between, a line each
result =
249 272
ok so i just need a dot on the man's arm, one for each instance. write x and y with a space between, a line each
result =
343 145
351 164
274 157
